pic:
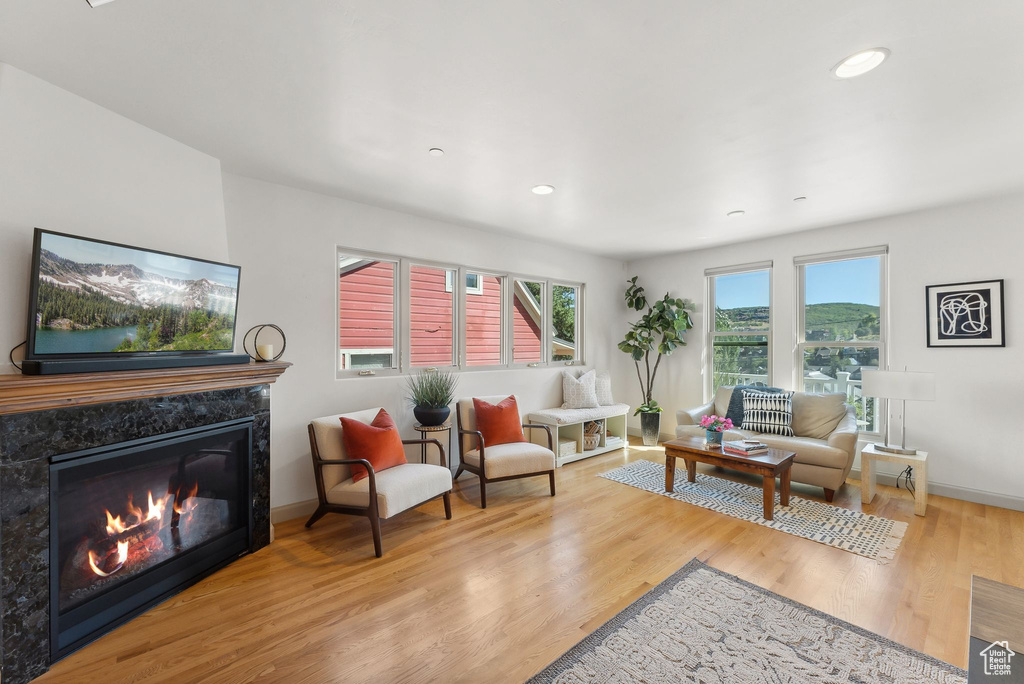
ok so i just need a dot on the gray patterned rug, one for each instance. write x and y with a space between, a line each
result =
703 625
853 531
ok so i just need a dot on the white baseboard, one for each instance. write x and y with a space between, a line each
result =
1014 503
299 509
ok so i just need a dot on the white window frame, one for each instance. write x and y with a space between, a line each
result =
709 319
406 332
347 354
477 289
402 330
506 317
580 324
545 315
800 333
344 353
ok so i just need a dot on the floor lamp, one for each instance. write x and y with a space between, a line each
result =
903 385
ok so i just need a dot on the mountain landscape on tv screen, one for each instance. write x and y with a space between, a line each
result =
90 308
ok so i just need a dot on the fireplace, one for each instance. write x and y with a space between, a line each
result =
135 522
179 458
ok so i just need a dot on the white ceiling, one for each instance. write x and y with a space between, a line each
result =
651 118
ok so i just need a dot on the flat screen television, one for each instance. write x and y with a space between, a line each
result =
92 299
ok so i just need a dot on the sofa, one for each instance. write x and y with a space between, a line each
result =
825 442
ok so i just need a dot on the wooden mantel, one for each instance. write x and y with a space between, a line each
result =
24 393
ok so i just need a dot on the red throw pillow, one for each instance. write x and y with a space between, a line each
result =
379 443
498 423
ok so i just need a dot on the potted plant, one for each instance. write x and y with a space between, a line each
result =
430 393
714 426
658 332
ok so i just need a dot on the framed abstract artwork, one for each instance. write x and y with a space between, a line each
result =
966 314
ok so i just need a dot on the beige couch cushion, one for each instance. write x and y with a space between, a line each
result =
817 415
808 450
518 458
722 397
398 488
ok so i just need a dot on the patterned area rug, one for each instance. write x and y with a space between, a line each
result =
865 535
703 625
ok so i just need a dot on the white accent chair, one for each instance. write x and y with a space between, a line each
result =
380 495
500 461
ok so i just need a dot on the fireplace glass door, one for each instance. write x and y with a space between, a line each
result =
134 522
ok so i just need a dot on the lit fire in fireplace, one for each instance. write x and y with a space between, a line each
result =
139 528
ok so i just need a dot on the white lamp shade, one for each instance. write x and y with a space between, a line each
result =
908 385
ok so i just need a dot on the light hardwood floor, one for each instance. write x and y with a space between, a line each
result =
494 595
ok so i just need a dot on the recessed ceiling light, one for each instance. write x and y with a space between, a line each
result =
97 3
543 189
738 212
799 199
860 63
435 152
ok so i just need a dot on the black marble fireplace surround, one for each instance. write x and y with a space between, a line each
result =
27 443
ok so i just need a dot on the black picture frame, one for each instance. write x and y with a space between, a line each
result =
966 315
30 347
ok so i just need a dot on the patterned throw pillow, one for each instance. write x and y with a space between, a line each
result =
768 412
579 392
735 410
604 389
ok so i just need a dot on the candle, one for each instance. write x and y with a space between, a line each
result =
266 351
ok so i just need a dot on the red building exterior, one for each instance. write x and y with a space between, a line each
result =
366 314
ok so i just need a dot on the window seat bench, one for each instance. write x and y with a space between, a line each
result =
567 425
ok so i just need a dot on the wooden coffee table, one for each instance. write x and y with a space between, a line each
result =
774 464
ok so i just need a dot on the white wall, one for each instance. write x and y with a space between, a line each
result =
69 165
285 241
979 390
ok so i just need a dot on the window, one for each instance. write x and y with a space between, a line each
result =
485 322
431 316
367 326
472 283
527 321
565 327
400 315
841 326
739 326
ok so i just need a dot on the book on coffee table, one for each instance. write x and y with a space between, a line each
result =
735 452
744 447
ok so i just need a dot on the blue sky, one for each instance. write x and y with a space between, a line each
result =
88 252
855 280
741 289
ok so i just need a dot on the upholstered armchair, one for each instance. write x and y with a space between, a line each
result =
382 494
498 462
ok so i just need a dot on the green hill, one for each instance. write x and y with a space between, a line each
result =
842 319
824 321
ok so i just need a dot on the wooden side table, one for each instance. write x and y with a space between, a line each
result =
869 456
426 430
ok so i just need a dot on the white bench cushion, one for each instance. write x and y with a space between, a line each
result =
398 488
517 458
560 416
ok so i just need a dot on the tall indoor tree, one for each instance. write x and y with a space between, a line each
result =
658 333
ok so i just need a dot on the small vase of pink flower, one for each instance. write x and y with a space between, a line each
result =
714 426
